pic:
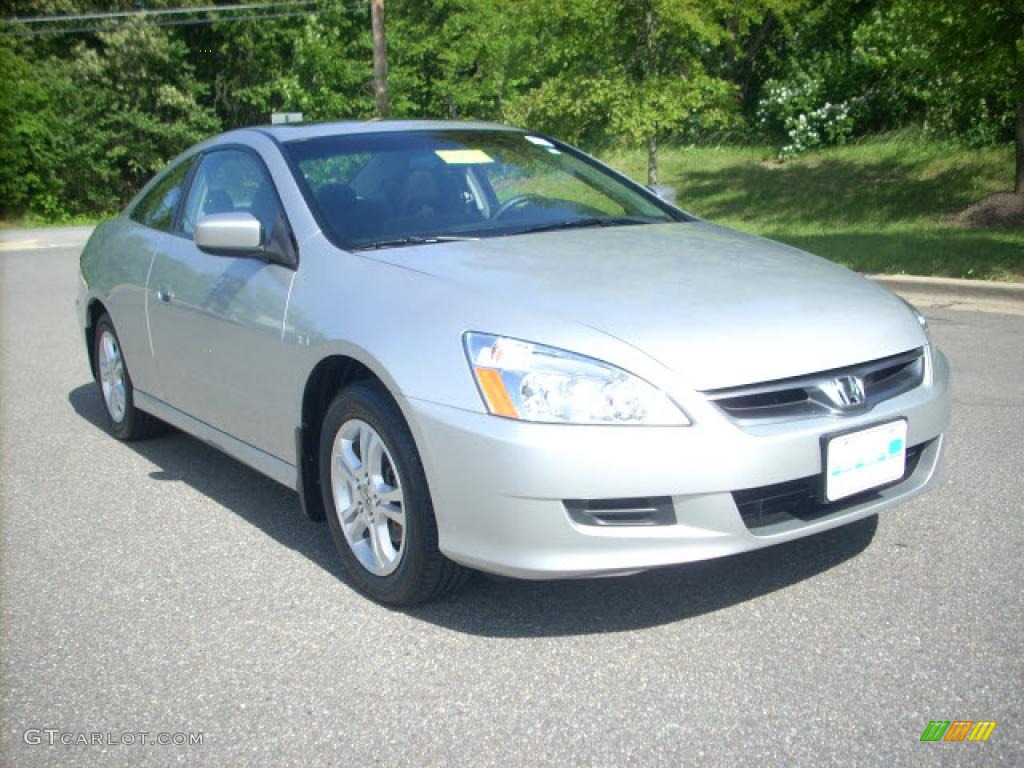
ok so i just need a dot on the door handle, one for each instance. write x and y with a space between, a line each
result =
166 295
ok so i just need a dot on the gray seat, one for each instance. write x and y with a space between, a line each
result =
350 217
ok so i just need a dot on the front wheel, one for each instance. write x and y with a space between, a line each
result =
377 501
115 384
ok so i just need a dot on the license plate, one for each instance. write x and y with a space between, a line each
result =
868 458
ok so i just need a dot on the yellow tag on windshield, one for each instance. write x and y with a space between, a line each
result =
463 156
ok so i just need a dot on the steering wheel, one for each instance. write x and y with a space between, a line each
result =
517 202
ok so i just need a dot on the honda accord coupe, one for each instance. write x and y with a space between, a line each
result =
469 346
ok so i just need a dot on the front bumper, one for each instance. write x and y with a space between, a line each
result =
499 486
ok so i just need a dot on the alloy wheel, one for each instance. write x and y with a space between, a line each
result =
112 376
368 497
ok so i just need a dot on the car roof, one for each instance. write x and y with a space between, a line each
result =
298 131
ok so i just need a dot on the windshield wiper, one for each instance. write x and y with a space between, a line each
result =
588 221
398 242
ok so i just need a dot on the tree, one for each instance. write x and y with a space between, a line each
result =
632 71
456 58
637 70
330 76
34 109
248 66
972 52
380 59
830 69
89 115
144 103
85 132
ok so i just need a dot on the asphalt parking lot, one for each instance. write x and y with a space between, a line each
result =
161 587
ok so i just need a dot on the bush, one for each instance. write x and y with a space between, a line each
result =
84 133
796 112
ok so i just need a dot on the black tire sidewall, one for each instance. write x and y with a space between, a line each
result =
370 404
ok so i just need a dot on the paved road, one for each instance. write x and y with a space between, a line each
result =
162 587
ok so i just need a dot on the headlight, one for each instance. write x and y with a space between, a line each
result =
532 382
921 319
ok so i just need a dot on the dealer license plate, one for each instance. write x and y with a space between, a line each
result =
868 458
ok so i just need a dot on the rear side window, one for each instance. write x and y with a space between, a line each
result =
157 208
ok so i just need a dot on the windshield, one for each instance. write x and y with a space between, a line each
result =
400 188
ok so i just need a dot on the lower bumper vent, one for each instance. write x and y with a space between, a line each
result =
798 499
651 510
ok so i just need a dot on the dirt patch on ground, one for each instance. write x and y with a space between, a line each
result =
1002 210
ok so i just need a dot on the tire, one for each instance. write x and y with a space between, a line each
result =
126 421
385 533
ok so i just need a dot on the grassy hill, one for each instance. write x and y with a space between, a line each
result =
884 205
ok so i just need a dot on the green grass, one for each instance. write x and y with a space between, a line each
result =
31 222
875 206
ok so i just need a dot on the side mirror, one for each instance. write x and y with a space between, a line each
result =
665 192
241 234
234 234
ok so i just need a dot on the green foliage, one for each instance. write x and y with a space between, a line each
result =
834 79
969 56
31 143
90 116
331 68
624 71
90 129
455 58
955 67
144 102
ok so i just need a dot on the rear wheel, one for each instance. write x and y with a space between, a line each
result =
115 384
377 501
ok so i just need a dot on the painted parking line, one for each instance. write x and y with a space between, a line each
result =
19 245
35 245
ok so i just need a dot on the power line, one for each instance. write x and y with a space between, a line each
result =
60 18
173 23
126 20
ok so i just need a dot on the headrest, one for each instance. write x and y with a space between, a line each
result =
335 198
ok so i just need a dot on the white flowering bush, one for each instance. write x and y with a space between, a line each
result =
795 112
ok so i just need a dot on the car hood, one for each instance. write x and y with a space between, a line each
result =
718 307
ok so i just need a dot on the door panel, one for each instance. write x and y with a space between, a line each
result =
124 264
125 260
216 325
216 320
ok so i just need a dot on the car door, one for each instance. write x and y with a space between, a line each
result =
121 268
216 320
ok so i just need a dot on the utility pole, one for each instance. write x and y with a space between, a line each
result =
380 59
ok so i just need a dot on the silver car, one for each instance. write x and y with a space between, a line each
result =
469 346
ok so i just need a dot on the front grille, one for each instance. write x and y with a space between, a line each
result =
653 510
815 395
799 499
